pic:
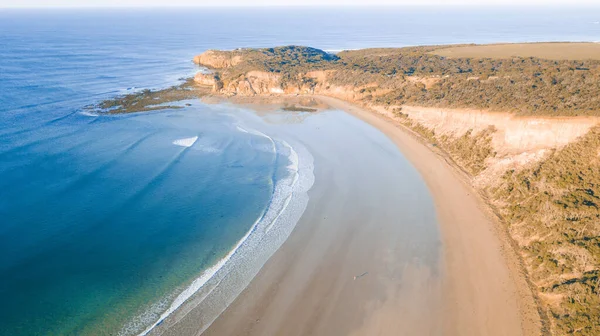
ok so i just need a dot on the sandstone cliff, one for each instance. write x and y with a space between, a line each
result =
513 137
218 59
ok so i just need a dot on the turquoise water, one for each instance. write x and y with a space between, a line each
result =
119 216
104 219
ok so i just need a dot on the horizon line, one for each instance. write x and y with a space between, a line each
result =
302 6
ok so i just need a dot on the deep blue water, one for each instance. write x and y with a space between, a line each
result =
102 217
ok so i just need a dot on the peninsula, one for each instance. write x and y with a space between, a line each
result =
506 137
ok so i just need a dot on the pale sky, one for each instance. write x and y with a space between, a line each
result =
182 3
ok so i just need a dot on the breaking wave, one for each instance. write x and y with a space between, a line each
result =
220 284
186 142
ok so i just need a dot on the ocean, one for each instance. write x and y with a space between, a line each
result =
108 223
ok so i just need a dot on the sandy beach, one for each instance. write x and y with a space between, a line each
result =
484 289
352 267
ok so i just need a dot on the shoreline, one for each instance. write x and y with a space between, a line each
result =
365 253
239 266
482 288
530 315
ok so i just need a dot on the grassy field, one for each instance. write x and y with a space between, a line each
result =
549 51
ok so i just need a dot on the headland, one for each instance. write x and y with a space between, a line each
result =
506 138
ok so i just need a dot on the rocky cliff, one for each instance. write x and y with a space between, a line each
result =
216 59
516 139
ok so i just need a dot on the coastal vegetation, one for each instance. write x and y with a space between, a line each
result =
419 76
469 150
551 208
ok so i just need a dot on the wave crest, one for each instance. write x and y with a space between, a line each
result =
220 284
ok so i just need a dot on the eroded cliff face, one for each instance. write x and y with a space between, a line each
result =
216 59
515 140
208 79
514 134
511 142
253 82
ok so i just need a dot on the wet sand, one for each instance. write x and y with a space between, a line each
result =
382 249
484 289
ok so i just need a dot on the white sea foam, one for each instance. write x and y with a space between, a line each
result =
255 132
241 129
264 148
285 205
88 114
186 142
220 284
199 282
293 167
